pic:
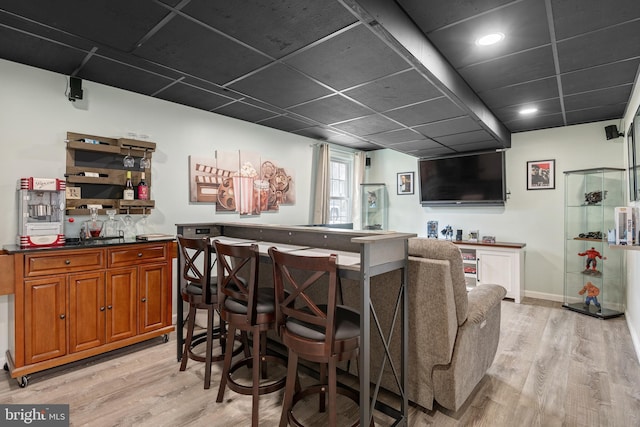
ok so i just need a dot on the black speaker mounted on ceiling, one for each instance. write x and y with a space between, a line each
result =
75 88
612 132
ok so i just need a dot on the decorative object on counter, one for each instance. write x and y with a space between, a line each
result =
541 175
93 227
432 229
447 232
473 235
458 235
128 193
594 197
488 239
592 292
595 235
592 262
623 218
41 205
143 189
405 182
111 226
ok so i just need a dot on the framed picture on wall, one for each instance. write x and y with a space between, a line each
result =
541 174
405 182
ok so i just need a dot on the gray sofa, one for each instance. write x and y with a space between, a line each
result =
453 333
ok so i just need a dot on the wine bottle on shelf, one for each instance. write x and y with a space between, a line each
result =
127 194
143 189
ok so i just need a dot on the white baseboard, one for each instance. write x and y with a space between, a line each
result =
635 337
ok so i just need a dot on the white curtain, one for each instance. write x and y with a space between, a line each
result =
359 159
322 190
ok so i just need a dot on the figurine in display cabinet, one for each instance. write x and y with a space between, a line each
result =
592 292
592 262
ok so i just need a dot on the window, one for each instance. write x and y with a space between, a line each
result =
340 194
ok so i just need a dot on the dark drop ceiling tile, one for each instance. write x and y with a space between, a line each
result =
275 27
193 49
25 49
122 76
448 127
396 136
535 122
600 77
602 97
465 138
115 23
192 96
524 24
426 112
280 85
515 94
436 151
545 107
368 125
395 91
477 146
605 112
350 58
331 109
524 66
422 144
243 111
285 123
574 17
609 45
436 14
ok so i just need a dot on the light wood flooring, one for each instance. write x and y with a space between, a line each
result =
554 367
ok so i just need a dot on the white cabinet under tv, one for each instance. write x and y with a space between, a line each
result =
497 263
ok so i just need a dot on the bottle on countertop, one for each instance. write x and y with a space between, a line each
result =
143 189
128 192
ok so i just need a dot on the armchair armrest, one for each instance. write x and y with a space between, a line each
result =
482 299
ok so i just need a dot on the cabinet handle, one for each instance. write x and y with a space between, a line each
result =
109 307
139 254
62 316
67 261
143 300
102 308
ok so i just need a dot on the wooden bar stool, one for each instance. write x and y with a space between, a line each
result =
322 333
248 308
200 291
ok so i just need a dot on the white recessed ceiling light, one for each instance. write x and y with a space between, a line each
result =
490 39
530 110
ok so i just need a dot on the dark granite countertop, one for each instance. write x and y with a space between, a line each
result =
84 244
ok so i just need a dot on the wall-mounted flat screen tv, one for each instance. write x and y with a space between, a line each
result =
473 179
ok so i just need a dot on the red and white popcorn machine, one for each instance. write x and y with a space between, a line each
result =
41 205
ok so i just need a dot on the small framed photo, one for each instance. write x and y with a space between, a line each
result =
473 235
405 182
541 175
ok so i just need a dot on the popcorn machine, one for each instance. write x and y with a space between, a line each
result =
41 205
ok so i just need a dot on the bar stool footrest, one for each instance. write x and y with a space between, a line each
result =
248 389
318 389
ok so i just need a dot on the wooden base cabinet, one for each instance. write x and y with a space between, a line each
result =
74 304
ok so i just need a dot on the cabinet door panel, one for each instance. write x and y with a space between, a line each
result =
45 318
152 297
86 311
496 268
121 304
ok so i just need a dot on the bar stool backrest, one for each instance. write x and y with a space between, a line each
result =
196 266
234 281
298 275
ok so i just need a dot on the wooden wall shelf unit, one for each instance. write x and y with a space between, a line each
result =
71 304
106 160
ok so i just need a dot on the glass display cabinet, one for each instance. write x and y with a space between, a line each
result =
594 274
374 207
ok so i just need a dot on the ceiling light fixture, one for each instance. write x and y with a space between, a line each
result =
490 39
526 111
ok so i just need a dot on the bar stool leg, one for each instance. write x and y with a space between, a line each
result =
227 363
322 405
333 417
191 323
209 356
263 346
292 383
255 376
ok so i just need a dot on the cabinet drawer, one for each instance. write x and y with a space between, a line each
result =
131 255
63 262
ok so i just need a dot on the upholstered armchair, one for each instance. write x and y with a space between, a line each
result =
453 333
